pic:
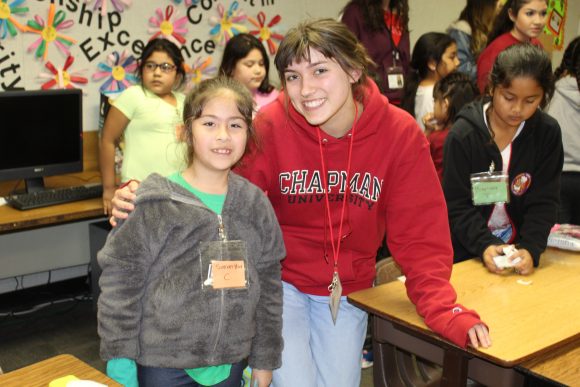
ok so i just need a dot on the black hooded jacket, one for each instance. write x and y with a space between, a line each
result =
536 151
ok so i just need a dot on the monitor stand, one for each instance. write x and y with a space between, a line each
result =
34 184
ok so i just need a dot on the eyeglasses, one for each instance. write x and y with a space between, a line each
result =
165 67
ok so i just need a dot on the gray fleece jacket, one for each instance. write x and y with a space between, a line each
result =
152 307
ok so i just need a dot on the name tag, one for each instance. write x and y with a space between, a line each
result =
489 188
224 265
228 274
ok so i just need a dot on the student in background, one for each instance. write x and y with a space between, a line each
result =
147 116
382 26
450 93
565 107
434 56
162 316
246 60
519 21
328 123
470 33
505 134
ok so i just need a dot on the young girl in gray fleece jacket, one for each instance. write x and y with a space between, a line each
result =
190 288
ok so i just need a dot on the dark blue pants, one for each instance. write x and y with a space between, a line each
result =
175 377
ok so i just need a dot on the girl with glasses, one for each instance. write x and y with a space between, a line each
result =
146 117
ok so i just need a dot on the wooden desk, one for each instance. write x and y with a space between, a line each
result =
42 373
15 220
561 365
526 321
35 242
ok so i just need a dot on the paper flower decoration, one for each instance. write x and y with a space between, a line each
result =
188 3
264 33
7 21
62 78
119 71
200 70
168 26
50 33
119 5
227 25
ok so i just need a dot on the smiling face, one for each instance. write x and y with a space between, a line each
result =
321 91
530 20
156 80
250 70
219 135
516 103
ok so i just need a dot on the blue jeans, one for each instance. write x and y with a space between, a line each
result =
176 377
316 352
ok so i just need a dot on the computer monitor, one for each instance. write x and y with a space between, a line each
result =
41 135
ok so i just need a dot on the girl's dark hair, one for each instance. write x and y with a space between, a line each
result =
237 48
372 11
479 15
570 61
332 39
458 89
211 88
168 47
429 47
503 23
523 61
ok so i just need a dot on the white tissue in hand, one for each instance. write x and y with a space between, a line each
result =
502 261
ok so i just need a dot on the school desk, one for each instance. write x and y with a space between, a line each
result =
42 373
53 237
530 319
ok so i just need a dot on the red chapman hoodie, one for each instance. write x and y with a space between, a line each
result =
394 189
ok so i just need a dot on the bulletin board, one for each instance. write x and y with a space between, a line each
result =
93 44
555 22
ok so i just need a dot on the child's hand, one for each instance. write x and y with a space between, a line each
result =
107 196
479 336
261 378
122 202
526 264
430 123
488 254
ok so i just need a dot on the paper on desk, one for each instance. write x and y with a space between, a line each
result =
84 383
2 201
73 381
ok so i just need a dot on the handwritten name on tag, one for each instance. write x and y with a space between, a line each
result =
228 274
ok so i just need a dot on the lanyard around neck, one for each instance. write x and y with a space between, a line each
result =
336 247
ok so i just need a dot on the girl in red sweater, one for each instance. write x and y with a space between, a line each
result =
519 21
450 94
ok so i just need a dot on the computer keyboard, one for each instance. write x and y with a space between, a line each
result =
49 197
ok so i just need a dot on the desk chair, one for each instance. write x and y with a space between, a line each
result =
410 371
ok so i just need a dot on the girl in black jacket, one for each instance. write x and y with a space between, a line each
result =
502 164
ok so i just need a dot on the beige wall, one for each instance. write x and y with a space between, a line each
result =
435 15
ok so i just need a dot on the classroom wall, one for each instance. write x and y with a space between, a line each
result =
99 36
